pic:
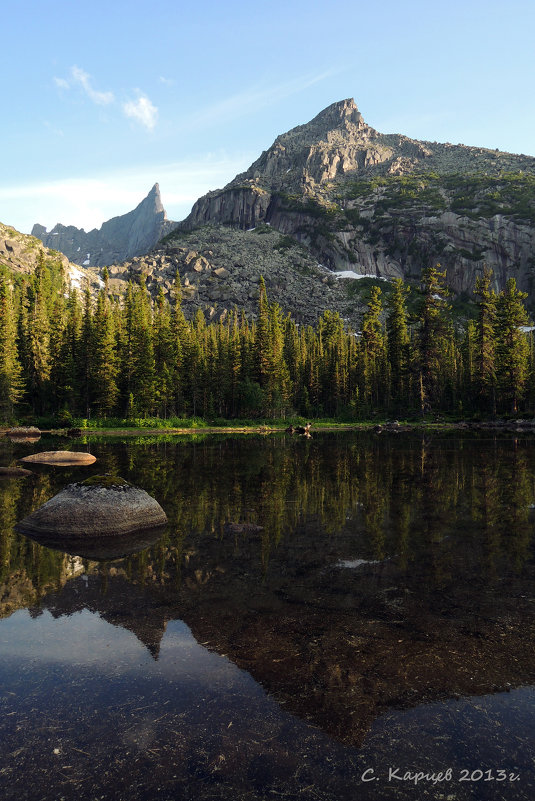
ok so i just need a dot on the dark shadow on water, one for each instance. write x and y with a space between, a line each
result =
101 549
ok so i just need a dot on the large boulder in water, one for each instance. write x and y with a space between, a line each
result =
101 506
60 458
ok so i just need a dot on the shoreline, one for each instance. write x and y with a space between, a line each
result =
512 426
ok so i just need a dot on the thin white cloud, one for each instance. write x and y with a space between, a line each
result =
142 111
88 202
53 128
100 98
167 81
255 98
61 83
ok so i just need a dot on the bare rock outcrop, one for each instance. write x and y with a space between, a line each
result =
20 253
116 240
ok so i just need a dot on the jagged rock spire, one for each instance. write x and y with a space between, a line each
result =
118 239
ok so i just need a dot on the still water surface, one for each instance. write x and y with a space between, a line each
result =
378 623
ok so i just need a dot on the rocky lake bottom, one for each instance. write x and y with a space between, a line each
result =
349 616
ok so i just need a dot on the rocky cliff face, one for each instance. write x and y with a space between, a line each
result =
386 205
118 239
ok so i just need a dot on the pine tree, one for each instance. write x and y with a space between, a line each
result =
486 342
433 338
512 346
66 369
11 386
38 334
373 351
398 343
104 361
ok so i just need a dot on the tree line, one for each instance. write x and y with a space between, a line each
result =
66 354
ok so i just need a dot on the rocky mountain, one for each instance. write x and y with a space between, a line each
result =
386 205
19 253
116 240
329 203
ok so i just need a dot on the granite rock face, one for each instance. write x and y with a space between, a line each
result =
116 240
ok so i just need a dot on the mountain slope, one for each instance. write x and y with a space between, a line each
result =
19 253
386 204
117 239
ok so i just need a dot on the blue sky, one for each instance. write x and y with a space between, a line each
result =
102 99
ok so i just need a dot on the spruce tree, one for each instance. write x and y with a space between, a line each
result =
86 356
66 369
163 355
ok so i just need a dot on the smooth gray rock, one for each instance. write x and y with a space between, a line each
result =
99 507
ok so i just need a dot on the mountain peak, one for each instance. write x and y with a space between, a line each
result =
339 112
118 239
336 141
154 200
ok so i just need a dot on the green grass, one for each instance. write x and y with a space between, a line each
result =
105 481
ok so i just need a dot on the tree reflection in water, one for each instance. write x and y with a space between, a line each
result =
388 571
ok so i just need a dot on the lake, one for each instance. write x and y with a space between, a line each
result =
346 617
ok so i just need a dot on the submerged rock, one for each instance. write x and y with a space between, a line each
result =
101 506
14 472
242 528
62 458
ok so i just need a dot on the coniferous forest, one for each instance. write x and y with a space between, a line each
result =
68 356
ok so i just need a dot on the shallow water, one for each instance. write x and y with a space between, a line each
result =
373 640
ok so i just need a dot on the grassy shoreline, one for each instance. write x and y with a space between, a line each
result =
249 427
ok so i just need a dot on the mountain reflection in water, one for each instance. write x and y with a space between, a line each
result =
389 573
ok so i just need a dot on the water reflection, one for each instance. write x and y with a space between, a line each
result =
360 577
101 549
